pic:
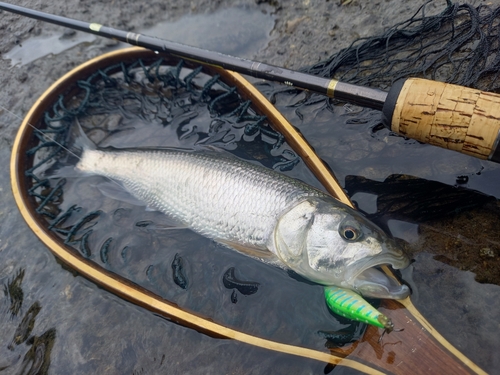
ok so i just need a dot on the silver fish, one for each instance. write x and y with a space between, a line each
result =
257 211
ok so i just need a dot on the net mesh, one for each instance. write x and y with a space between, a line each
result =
157 103
156 94
459 45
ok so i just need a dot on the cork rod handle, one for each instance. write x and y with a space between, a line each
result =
445 115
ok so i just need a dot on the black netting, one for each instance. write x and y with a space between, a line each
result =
459 45
156 94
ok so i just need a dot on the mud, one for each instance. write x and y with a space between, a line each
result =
104 334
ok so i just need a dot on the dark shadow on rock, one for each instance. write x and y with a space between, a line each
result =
14 292
24 329
37 360
457 225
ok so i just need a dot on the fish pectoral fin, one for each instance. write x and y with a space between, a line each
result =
154 226
254 252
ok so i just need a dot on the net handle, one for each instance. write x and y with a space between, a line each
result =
449 116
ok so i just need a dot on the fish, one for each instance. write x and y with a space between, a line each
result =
252 209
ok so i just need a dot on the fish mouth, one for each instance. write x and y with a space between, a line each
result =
376 284
371 282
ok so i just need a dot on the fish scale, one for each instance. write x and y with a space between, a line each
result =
218 196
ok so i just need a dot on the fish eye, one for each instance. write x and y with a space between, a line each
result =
350 232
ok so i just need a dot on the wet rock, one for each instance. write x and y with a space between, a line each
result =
68 33
22 76
234 296
291 25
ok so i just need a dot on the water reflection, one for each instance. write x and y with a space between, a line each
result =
24 329
250 29
352 332
37 348
412 198
37 360
179 273
41 46
14 292
244 287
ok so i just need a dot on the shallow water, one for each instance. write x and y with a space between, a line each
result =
238 31
89 338
44 45
132 243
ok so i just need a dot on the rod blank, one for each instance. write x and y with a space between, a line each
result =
448 116
359 95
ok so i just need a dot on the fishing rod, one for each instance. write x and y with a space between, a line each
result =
445 115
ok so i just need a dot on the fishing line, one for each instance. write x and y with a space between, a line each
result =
44 135
47 137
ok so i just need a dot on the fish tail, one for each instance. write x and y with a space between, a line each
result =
77 142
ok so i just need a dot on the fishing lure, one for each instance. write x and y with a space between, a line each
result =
351 305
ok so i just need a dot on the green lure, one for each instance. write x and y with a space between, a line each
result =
351 305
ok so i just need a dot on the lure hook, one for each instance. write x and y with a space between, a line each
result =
389 330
